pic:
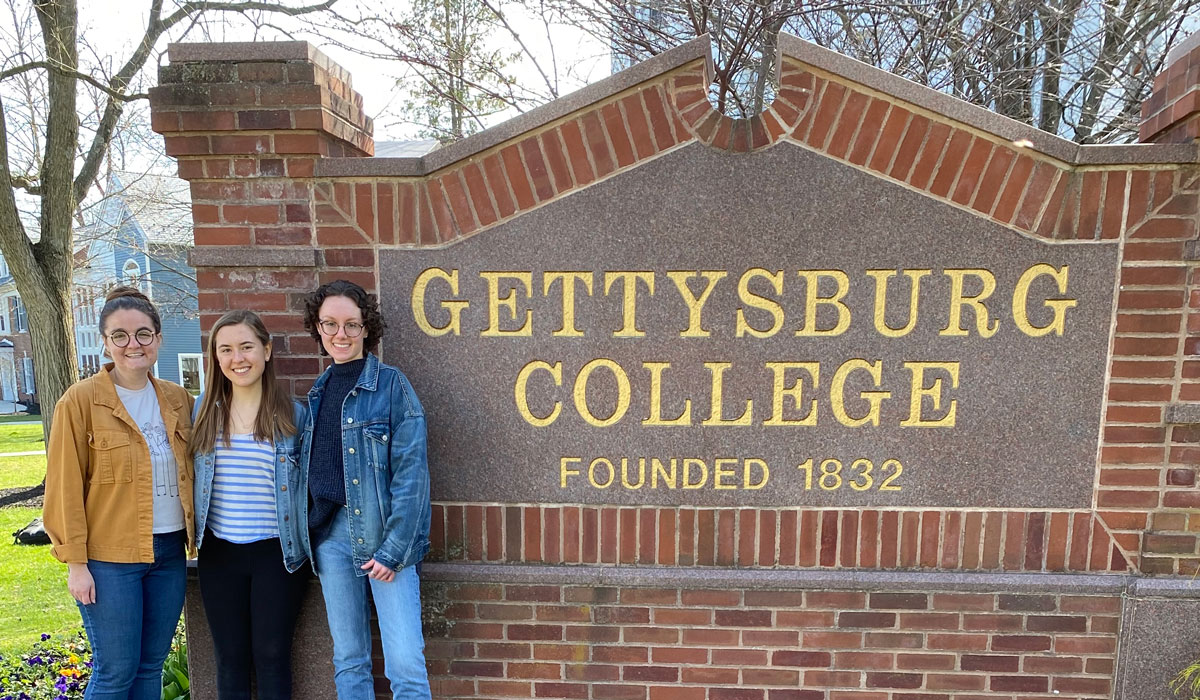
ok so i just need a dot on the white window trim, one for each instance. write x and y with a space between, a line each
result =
199 357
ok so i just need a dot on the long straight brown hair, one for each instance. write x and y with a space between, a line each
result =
275 417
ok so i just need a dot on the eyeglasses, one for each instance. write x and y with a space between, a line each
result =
352 328
121 338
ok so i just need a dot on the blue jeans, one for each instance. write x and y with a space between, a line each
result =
398 606
133 620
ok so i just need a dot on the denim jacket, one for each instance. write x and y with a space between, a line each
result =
291 505
387 477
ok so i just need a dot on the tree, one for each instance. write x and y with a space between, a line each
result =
457 58
52 155
1076 68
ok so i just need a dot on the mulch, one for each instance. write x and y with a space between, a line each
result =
22 496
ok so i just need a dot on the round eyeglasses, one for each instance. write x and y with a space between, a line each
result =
353 329
121 338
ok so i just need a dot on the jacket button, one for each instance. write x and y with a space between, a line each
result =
351 450
360 540
282 458
385 438
354 482
354 393
357 511
349 420
283 488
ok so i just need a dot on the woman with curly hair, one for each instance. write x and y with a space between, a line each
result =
119 501
363 465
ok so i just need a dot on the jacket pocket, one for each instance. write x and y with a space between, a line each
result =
111 456
375 440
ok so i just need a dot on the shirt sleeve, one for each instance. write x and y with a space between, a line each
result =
67 468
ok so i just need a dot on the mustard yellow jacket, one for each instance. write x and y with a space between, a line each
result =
99 486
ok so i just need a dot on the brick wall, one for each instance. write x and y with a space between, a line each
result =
722 644
274 143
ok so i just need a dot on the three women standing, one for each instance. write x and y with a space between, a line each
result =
118 505
345 484
250 537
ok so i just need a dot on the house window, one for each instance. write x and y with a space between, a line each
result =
27 364
17 311
132 274
191 371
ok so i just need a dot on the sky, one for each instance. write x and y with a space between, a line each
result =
114 25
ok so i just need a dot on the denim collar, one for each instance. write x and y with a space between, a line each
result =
368 379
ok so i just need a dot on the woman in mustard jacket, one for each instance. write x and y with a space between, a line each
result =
118 504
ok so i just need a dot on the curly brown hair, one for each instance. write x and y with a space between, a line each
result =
368 304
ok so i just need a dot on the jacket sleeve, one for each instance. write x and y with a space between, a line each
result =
409 490
67 470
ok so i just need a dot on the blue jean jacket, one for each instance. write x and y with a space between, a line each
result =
387 476
291 501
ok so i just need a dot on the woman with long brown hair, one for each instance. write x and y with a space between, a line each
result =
244 445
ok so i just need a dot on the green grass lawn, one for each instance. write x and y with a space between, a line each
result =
22 471
34 597
21 438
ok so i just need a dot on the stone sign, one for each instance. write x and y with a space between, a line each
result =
766 329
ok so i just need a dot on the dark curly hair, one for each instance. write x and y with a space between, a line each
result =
368 304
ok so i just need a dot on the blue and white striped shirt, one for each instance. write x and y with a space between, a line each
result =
243 491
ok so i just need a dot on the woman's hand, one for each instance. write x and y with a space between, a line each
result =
80 583
378 571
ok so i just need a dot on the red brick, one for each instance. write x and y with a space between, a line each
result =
824 113
597 145
956 155
478 192
806 659
1046 184
493 170
972 170
1033 684
1014 187
926 163
515 171
895 680
709 675
993 177
978 662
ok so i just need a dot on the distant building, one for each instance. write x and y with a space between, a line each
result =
140 235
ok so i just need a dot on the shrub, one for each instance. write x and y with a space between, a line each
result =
54 669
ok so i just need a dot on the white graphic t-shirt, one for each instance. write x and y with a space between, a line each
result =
142 405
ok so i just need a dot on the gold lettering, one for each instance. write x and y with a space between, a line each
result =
747 480
813 299
881 282
657 468
695 306
509 301
795 392
715 415
625 473
837 392
920 391
612 473
655 418
623 392
720 471
454 307
629 282
687 473
564 471
958 300
751 299
1021 299
522 398
569 279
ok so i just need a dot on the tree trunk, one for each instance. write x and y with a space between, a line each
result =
52 332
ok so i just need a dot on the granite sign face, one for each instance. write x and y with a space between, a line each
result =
765 329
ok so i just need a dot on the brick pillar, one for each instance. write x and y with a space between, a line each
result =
247 123
1172 114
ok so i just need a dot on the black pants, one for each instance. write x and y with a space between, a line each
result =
251 603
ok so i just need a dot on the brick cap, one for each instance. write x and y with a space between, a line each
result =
192 52
1182 587
241 256
1183 48
776 579
1182 414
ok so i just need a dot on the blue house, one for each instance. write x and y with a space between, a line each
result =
138 234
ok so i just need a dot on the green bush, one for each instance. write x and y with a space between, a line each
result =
175 670
54 669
